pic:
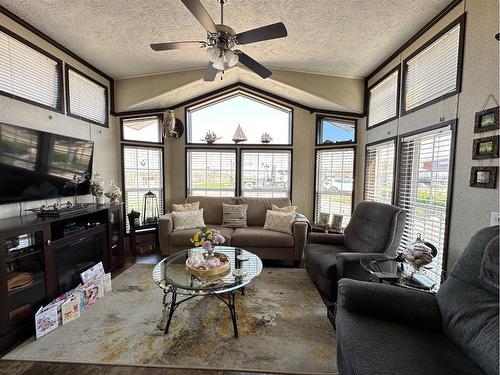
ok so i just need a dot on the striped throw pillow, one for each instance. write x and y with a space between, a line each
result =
234 215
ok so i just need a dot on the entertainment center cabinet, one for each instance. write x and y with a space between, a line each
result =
41 258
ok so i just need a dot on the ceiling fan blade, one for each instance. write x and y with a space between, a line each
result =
253 65
273 31
211 73
176 45
201 14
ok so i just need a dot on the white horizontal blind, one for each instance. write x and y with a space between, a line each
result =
143 171
27 73
334 182
432 73
87 99
379 174
265 173
423 188
383 101
211 173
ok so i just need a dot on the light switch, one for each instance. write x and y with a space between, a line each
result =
495 218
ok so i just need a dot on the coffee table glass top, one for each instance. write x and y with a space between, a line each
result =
171 271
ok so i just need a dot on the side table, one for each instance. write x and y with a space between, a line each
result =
322 228
143 228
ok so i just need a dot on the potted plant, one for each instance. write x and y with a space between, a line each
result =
133 217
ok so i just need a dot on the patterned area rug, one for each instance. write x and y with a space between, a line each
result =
281 319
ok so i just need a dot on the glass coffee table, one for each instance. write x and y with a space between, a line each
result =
180 286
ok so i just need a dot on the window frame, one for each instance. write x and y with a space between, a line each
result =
160 120
458 86
211 149
321 117
122 156
354 171
67 68
398 101
239 183
452 124
59 68
225 96
394 166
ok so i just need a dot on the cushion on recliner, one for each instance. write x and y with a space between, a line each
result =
490 264
257 208
183 237
369 229
256 236
323 258
469 306
212 207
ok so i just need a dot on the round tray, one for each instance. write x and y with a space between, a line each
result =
224 267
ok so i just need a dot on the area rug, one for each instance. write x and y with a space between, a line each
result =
281 319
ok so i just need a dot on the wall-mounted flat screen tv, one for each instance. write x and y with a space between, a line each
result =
37 165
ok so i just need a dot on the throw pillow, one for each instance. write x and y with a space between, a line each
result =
186 207
188 220
284 209
234 215
279 221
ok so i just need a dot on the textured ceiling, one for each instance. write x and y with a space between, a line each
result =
338 37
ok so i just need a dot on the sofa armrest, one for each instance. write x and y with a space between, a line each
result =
300 228
388 302
165 227
348 265
326 238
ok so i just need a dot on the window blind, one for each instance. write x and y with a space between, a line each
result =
433 72
211 173
265 173
29 74
87 99
383 102
423 187
334 182
379 172
143 171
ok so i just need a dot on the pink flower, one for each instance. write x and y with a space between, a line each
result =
213 263
207 245
220 238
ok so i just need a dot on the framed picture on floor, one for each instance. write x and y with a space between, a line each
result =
483 177
486 120
485 148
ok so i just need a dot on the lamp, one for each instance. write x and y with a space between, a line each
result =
218 63
231 58
150 208
214 53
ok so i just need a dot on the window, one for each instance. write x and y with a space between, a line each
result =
142 129
253 115
379 172
28 74
383 99
211 173
87 99
334 182
265 173
432 72
334 130
143 172
423 187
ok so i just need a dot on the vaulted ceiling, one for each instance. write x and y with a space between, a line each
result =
333 37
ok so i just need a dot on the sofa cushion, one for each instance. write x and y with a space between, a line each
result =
257 208
234 215
186 207
279 221
256 236
370 227
284 209
188 219
212 206
369 345
183 237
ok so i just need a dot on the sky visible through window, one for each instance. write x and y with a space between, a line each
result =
254 117
333 132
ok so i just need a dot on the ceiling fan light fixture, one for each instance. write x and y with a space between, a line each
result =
231 58
213 53
219 63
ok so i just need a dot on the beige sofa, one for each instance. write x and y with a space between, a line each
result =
265 243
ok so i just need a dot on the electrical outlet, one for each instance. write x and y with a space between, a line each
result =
495 218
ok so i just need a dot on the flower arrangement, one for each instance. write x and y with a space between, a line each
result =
207 238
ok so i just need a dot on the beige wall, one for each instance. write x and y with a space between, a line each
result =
22 114
471 207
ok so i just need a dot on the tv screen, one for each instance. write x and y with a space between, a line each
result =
39 165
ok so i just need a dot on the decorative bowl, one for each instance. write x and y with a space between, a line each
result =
200 266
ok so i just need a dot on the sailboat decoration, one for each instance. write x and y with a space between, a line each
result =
239 136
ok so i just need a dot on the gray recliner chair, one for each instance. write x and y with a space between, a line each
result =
384 329
375 230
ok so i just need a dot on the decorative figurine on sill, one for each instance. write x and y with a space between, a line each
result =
210 137
265 138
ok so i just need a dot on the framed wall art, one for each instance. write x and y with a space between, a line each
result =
483 177
486 120
485 148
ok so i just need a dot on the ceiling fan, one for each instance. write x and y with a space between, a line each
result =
221 39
